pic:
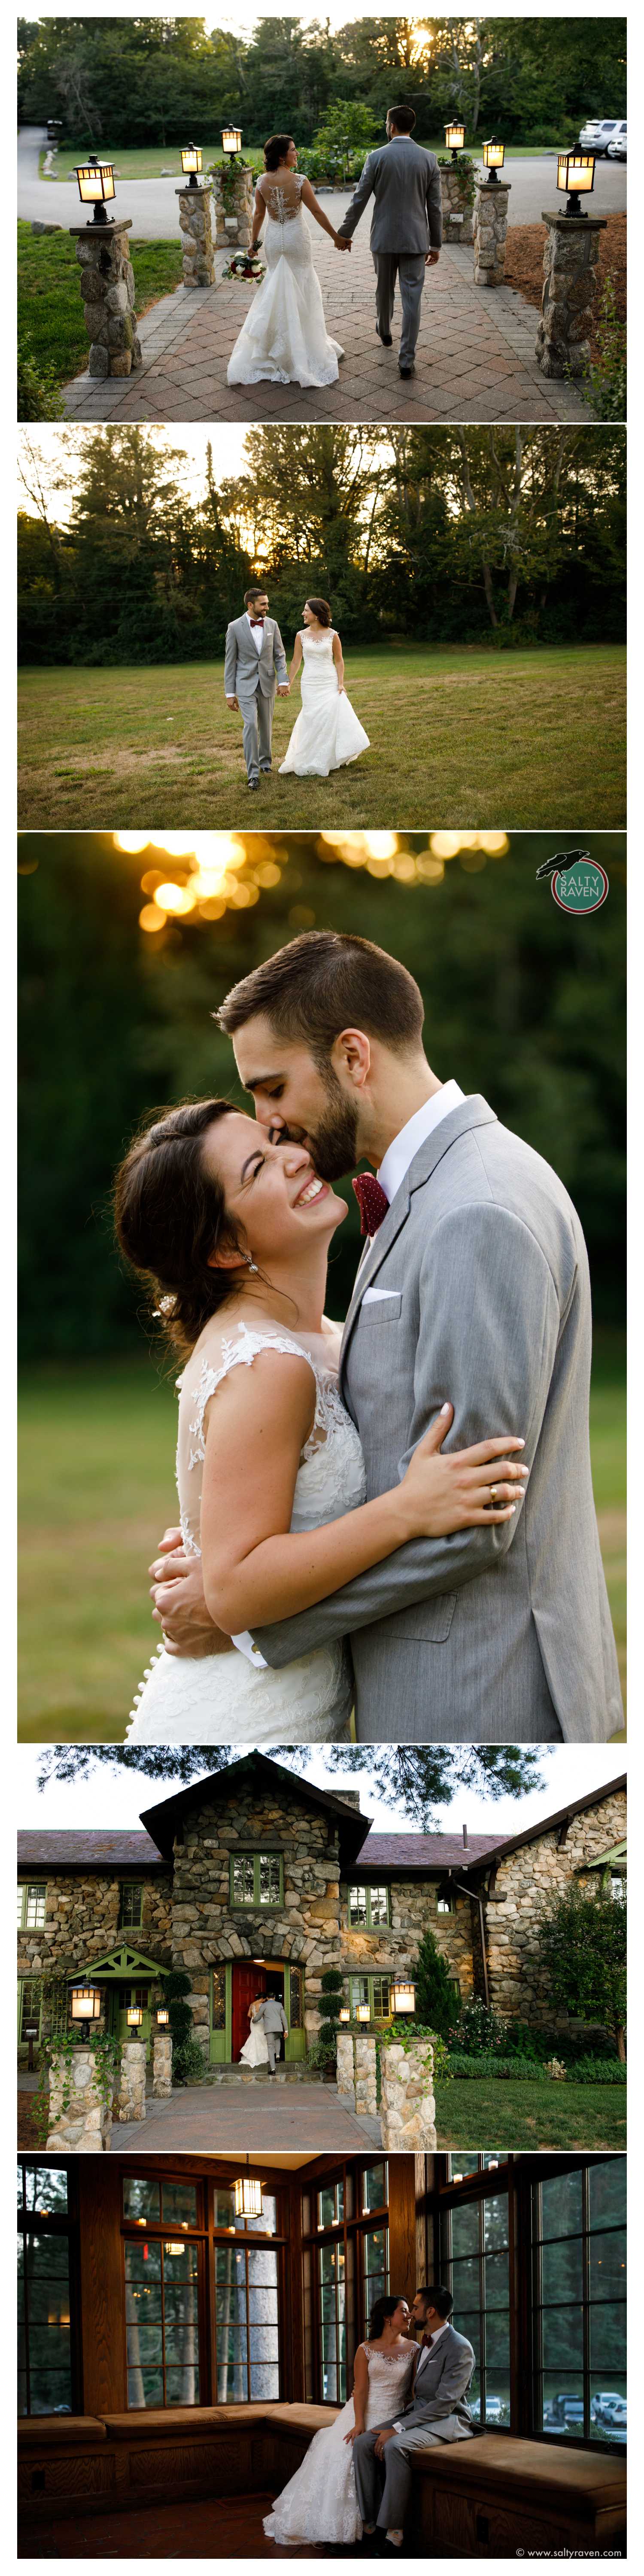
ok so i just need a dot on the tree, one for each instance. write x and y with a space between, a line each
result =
434 1992
332 1987
582 1945
187 2059
422 1779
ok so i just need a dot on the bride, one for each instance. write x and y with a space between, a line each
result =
284 336
320 2502
231 1232
328 732
255 2048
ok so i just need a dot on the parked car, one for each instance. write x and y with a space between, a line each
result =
600 133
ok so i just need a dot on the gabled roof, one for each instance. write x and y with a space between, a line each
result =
165 1821
422 1852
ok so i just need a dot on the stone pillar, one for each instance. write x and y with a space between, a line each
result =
457 213
407 2106
162 2065
196 235
489 231
345 2077
365 2061
107 289
570 262
130 2099
233 227
79 2119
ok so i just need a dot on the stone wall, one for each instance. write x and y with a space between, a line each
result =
392 1950
129 2101
162 2065
570 273
304 1930
196 237
407 2105
541 1870
457 213
82 1922
489 233
81 2123
107 289
233 224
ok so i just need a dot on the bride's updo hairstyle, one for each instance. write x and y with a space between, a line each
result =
380 2313
321 610
171 1213
275 150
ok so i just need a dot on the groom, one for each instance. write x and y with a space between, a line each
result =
255 666
473 1290
273 2021
406 226
437 2412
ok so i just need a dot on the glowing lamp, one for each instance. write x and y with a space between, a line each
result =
178 2248
163 2016
191 163
455 138
86 2003
363 2012
30 2030
493 156
96 186
403 1997
344 2012
248 2197
575 179
231 140
134 2016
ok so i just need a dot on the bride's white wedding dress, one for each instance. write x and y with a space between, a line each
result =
255 2048
284 339
223 1698
328 732
320 2502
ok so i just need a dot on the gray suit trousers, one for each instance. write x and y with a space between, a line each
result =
409 267
387 2503
257 712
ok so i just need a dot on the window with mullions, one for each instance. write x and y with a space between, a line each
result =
131 1907
256 1878
162 2283
579 2293
369 1906
475 2264
348 2269
29 2005
45 2364
32 1905
374 1991
246 2303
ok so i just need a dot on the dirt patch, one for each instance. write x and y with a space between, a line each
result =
29 2128
524 262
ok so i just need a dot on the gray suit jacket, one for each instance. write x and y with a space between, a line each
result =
245 669
440 2394
487 1301
405 182
272 2015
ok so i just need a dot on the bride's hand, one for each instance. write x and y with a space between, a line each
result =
350 2437
470 1487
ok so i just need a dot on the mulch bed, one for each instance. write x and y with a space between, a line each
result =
29 2133
524 262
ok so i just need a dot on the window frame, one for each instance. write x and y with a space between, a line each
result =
369 1888
522 2175
350 2232
127 1887
61 2223
585 2440
372 1977
208 2234
256 1904
27 1887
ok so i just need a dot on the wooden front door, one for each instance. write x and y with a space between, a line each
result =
248 1981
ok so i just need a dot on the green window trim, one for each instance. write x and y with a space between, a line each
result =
32 1904
368 1907
378 1996
260 1880
30 2003
130 1905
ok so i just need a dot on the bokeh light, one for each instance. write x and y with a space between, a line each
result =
195 878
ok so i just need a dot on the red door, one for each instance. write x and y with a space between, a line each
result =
248 1981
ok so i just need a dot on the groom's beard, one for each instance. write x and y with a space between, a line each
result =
333 1146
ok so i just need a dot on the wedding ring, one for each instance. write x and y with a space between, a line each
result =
493 1493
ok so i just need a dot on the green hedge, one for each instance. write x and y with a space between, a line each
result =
530 2070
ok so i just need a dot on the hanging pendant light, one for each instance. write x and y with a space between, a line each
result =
248 2195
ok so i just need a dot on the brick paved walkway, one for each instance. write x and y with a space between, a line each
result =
211 2118
475 358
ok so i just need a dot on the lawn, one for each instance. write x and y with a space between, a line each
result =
152 160
50 310
461 737
97 1487
543 2114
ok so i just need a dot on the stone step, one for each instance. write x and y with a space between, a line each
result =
298 2073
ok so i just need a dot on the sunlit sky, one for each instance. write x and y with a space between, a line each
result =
44 440
338 13
117 1798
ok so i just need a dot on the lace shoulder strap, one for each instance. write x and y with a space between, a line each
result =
235 1354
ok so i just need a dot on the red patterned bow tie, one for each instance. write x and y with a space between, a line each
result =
257 621
372 1202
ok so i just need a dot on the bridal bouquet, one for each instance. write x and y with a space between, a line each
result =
245 263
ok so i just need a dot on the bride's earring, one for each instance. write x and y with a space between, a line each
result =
252 1265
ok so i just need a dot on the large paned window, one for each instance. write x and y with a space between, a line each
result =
579 2302
29 2005
369 1906
131 1906
45 2359
345 2268
163 2251
247 2282
256 1878
374 1991
475 2265
32 1905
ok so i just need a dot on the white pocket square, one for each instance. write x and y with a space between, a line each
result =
370 1294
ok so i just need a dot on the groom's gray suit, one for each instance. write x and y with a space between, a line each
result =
253 678
407 222
273 2021
492 1634
437 2412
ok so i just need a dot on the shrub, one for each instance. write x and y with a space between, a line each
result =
434 1994
582 1946
521 2070
598 2070
187 2060
605 380
478 2028
332 1987
38 393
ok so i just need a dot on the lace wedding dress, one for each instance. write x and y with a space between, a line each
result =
284 337
320 2502
255 2048
224 1698
328 732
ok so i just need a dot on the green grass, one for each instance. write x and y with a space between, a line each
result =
504 737
536 2115
97 1488
49 298
149 160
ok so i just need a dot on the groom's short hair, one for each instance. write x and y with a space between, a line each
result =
259 592
404 118
437 2298
325 981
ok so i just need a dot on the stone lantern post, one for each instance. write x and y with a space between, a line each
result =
457 208
570 262
234 222
489 231
196 235
107 289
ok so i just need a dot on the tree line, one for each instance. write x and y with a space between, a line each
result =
151 80
455 535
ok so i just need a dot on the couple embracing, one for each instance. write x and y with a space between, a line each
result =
356 1522
354 2485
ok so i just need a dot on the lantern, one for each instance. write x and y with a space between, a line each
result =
248 2195
163 2016
178 2248
231 140
493 156
575 178
363 2012
403 1997
344 2012
135 2016
455 138
95 185
191 163
86 2003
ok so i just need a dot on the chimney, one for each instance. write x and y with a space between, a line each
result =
465 1838
349 1798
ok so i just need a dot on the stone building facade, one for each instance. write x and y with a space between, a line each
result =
252 1878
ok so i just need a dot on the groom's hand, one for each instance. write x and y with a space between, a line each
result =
342 241
233 703
431 258
380 2440
179 1604
284 689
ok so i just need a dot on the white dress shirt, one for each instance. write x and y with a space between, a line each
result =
394 1166
257 632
